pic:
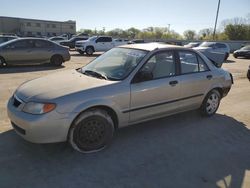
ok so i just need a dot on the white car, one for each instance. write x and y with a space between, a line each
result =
97 44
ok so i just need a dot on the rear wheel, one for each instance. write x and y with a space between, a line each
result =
211 103
57 60
92 131
89 50
2 62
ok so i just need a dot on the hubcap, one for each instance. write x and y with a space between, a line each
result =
212 103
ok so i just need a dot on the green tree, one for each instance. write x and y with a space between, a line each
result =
238 31
189 34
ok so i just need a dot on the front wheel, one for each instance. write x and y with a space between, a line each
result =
210 103
89 50
92 131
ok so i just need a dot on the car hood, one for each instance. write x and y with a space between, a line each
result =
57 85
82 41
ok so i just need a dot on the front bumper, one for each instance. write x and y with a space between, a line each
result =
46 128
80 48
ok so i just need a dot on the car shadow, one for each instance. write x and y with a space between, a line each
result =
184 150
28 68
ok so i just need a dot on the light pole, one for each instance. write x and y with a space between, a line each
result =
218 9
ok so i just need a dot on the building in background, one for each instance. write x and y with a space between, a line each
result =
36 28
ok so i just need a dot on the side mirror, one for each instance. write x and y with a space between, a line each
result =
143 76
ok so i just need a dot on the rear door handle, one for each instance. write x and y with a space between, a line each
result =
173 83
209 77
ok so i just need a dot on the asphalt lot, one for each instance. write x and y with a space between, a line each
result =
183 150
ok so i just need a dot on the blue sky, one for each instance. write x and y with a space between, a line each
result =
181 14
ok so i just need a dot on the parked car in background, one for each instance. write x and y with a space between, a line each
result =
124 86
5 38
97 44
120 42
192 45
57 39
214 47
243 52
32 50
72 42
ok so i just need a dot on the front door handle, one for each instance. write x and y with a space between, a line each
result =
173 83
209 77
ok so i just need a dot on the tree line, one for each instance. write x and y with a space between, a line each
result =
230 29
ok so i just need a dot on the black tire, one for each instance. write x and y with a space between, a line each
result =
211 103
57 60
235 56
92 131
89 50
2 62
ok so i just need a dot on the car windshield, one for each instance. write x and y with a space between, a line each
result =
116 64
246 48
206 44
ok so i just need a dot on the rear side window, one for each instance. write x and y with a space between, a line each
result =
191 63
104 39
41 44
219 45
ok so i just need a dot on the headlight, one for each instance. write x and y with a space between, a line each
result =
38 108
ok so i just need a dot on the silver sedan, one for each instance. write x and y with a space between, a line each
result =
124 86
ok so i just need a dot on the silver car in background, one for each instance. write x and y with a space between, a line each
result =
32 51
124 86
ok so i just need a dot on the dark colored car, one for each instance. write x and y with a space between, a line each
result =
243 52
32 50
6 38
71 42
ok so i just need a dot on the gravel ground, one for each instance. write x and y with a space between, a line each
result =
183 150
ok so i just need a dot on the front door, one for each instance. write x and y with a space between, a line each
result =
157 93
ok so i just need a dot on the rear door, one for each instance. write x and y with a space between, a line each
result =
195 79
43 51
158 95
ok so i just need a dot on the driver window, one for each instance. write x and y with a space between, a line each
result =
160 65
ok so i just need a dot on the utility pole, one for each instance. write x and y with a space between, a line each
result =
217 14
168 28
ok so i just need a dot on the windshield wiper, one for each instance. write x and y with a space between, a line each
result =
95 74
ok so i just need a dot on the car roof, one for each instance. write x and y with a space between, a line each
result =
152 46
